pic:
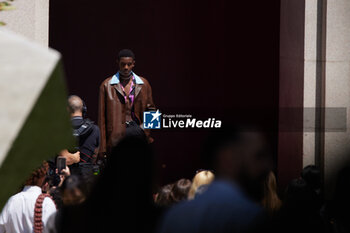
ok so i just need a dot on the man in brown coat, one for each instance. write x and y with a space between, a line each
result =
123 99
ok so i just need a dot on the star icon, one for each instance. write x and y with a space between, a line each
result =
155 115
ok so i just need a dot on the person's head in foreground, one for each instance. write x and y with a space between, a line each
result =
240 156
163 197
312 175
122 195
203 177
241 162
180 190
73 190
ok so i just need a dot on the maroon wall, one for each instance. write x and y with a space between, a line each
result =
291 102
205 58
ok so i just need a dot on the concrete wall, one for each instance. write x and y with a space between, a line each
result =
30 18
327 85
309 82
337 143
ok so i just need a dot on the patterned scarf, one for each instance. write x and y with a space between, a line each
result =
131 93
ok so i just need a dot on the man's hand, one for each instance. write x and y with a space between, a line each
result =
70 158
64 174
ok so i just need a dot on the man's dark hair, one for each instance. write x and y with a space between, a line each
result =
180 190
312 175
164 198
74 182
126 53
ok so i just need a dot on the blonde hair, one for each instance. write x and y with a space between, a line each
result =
201 178
271 201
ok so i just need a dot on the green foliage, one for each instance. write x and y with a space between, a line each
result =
41 137
5 6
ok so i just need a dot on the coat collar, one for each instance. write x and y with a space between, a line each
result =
116 83
115 79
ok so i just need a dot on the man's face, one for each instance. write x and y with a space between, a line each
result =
126 64
256 161
247 162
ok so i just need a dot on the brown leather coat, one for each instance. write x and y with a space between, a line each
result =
111 118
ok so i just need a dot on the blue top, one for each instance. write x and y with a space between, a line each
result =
222 208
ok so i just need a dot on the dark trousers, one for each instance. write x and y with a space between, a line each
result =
134 130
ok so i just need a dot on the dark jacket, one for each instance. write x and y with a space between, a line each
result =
88 136
111 119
